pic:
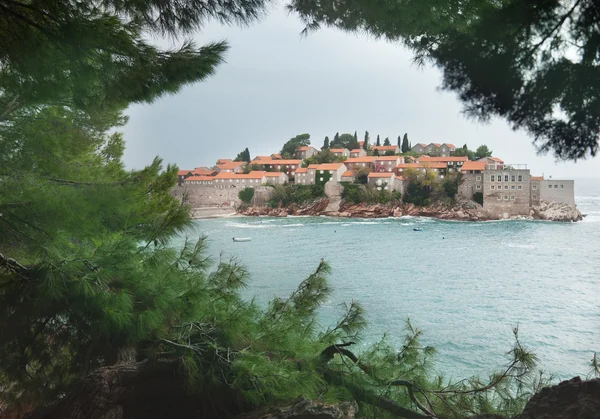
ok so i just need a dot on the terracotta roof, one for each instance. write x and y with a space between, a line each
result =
255 174
277 162
183 172
443 159
221 161
385 147
436 144
326 166
450 145
201 172
361 143
348 173
301 170
473 165
422 145
274 174
537 177
202 168
356 150
276 156
230 165
338 150
496 159
400 178
199 178
227 175
303 148
423 165
386 158
410 158
263 158
363 159
381 174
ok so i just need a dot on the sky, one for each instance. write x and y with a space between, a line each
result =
276 84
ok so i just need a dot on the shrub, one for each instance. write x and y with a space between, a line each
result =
246 195
478 197
285 195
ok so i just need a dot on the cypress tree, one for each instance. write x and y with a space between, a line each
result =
405 144
366 136
336 139
378 143
326 143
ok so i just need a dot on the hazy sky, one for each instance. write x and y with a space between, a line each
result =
276 84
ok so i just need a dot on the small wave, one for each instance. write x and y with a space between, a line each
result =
292 225
242 225
521 246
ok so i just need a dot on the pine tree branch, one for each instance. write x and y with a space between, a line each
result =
12 265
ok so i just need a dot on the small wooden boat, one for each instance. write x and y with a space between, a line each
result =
417 229
242 239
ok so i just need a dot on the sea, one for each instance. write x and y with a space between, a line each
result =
465 284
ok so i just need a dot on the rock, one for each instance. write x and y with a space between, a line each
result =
305 409
556 211
572 399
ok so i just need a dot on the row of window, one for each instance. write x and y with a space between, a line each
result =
512 197
556 186
519 187
506 177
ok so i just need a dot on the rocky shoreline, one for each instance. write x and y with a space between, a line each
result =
460 211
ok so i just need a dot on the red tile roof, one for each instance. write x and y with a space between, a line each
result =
443 159
230 165
276 156
386 158
356 150
199 178
436 144
348 173
326 166
385 147
497 160
274 174
423 165
473 165
381 174
537 177
303 148
362 159
221 161
301 170
422 145
183 172
338 150
450 145
277 162
201 172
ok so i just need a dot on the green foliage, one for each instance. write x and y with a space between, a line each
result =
425 188
478 197
386 142
290 147
243 155
361 194
378 142
366 141
405 145
323 156
362 174
348 141
325 143
246 195
288 194
482 151
527 62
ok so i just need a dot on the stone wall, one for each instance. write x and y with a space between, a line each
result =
206 195
514 197
557 191
471 183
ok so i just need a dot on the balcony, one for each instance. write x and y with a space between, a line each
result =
499 166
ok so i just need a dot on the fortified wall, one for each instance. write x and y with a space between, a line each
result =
213 196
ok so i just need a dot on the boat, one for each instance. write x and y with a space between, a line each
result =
417 229
242 239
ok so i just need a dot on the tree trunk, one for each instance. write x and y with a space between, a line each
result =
139 390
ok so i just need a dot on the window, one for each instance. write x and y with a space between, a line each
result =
492 178
478 187
534 187
555 186
505 186
506 197
499 178
478 178
491 186
520 178
499 197
519 187
550 186
512 178
512 187
534 196
321 179
562 186
506 178
512 197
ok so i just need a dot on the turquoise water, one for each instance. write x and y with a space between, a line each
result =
465 284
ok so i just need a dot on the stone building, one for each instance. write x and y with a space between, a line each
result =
453 163
276 178
302 177
305 152
534 189
386 181
506 190
472 179
340 152
358 152
348 176
382 149
364 161
434 149
387 163
323 173
557 191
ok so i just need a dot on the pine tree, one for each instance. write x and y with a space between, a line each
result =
326 143
336 139
366 137
399 142
378 143
386 142
366 144
356 137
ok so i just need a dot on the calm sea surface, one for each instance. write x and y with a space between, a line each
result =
465 284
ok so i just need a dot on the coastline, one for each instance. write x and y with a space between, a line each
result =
464 211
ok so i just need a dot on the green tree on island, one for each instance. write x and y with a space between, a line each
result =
366 141
405 145
326 143
243 155
482 151
378 142
289 148
386 142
